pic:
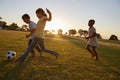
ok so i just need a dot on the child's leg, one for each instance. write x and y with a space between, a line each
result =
41 43
94 50
32 52
88 48
28 50
37 47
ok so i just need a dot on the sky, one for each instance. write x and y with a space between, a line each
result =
67 14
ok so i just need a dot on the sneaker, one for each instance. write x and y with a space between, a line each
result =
96 58
18 62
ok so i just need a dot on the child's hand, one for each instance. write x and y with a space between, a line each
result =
48 11
27 36
86 37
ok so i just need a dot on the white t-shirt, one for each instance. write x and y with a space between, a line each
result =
32 25
92 41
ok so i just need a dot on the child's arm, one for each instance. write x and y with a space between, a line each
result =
50 15
94 34
31 32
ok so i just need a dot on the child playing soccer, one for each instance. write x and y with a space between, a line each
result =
38 35
32 26
92 39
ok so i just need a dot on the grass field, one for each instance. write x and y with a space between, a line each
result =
74 62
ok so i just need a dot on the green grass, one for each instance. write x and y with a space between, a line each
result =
74 62
112 41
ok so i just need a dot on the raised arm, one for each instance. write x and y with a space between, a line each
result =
49 15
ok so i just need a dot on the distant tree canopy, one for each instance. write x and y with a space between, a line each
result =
49 32
66 33
82 32
72 32
59 31
113 37
46 32
0 17
52 31
3 24
99 36
13 26
24 28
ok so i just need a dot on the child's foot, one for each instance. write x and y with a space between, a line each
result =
92 56
96 58
18 62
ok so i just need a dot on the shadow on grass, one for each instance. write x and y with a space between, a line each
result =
117 73
47 60
15 72
28 69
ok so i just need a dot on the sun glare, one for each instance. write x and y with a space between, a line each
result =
56 24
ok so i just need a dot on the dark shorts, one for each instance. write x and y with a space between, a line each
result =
92 46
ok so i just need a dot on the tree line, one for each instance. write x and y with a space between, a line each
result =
71 32
3 25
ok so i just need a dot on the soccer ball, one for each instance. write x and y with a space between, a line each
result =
10 55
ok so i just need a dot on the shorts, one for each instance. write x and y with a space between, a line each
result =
91 46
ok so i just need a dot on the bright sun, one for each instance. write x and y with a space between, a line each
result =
56 24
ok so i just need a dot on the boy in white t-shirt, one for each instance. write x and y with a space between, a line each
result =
92 39
32 27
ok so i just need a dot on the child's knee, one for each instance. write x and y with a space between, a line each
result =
87 48
93 49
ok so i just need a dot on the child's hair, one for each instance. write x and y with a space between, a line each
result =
26 16
92 21
40 10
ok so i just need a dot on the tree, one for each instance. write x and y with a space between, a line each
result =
52 31
3 24
66 33
59 31
13 26
113 37
0 17
72 32
46 31
83 32
24 28
80 32
99 36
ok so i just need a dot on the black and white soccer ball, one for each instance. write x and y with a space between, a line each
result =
10 55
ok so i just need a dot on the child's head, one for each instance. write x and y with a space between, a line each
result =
91 22
40 13
26 18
